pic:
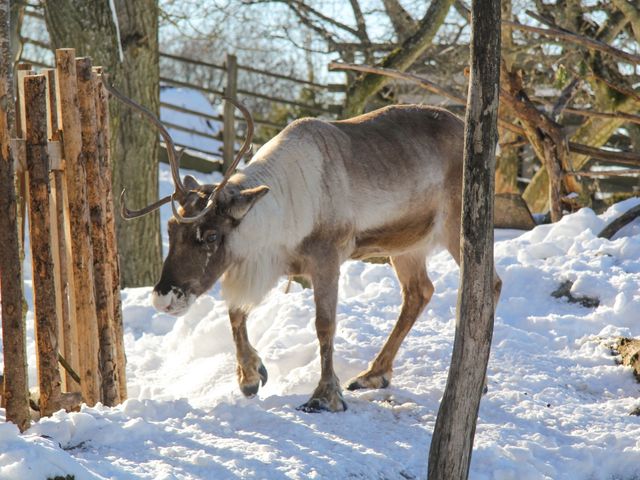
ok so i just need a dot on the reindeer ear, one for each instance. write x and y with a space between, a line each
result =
241 203
190 183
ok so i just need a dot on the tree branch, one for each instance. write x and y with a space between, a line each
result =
362 26
572 37
593 113
606 173
631 14
298 7
565 97
403 24
400 59
562 33
624 219
629 158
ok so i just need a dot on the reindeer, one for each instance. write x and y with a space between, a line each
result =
387 183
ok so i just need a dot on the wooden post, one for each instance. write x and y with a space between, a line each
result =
97 207
15 392
104 154
229 127
87 324
451 446
61 242
24 69
46 321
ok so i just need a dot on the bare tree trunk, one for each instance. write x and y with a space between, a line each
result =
15 390
450 454
89 26
400 59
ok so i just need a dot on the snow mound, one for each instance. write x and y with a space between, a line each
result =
557 407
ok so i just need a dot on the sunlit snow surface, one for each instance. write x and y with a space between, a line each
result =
557 407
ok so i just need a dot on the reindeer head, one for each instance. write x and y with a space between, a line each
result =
199 252
207 214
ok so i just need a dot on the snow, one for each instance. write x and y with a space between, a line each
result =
208 129
557 407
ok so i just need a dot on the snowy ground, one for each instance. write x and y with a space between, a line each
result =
557 408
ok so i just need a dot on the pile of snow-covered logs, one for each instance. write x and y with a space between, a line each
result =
63 183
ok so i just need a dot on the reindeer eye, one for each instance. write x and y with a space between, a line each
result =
210 237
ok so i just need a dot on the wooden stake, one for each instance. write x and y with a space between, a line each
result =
24 69
15 394
46 324
97 206
87 324
67 332
112 245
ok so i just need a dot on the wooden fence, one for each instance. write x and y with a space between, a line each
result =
231 74
230 70
63 175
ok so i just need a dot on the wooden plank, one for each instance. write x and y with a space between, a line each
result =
19 151
87 324
229 126
95 196
70 325
46 318
104 155
192 162
24 69
54 148
15 389
311 108
179 83
67 333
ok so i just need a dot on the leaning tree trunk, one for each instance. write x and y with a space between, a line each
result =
15 390
450 454
89 27
400 59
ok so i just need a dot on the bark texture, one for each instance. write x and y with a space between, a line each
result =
67 331
450 453
88 26
97 207
79 221
44 296
15 389
104 153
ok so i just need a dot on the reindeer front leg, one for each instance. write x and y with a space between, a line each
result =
251 371
327 395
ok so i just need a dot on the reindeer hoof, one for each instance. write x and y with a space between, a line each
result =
264 376
250 388
369 381
317 405
250 391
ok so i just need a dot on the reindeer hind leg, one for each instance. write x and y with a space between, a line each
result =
417 290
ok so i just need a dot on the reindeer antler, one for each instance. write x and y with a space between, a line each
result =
212 200
174 159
